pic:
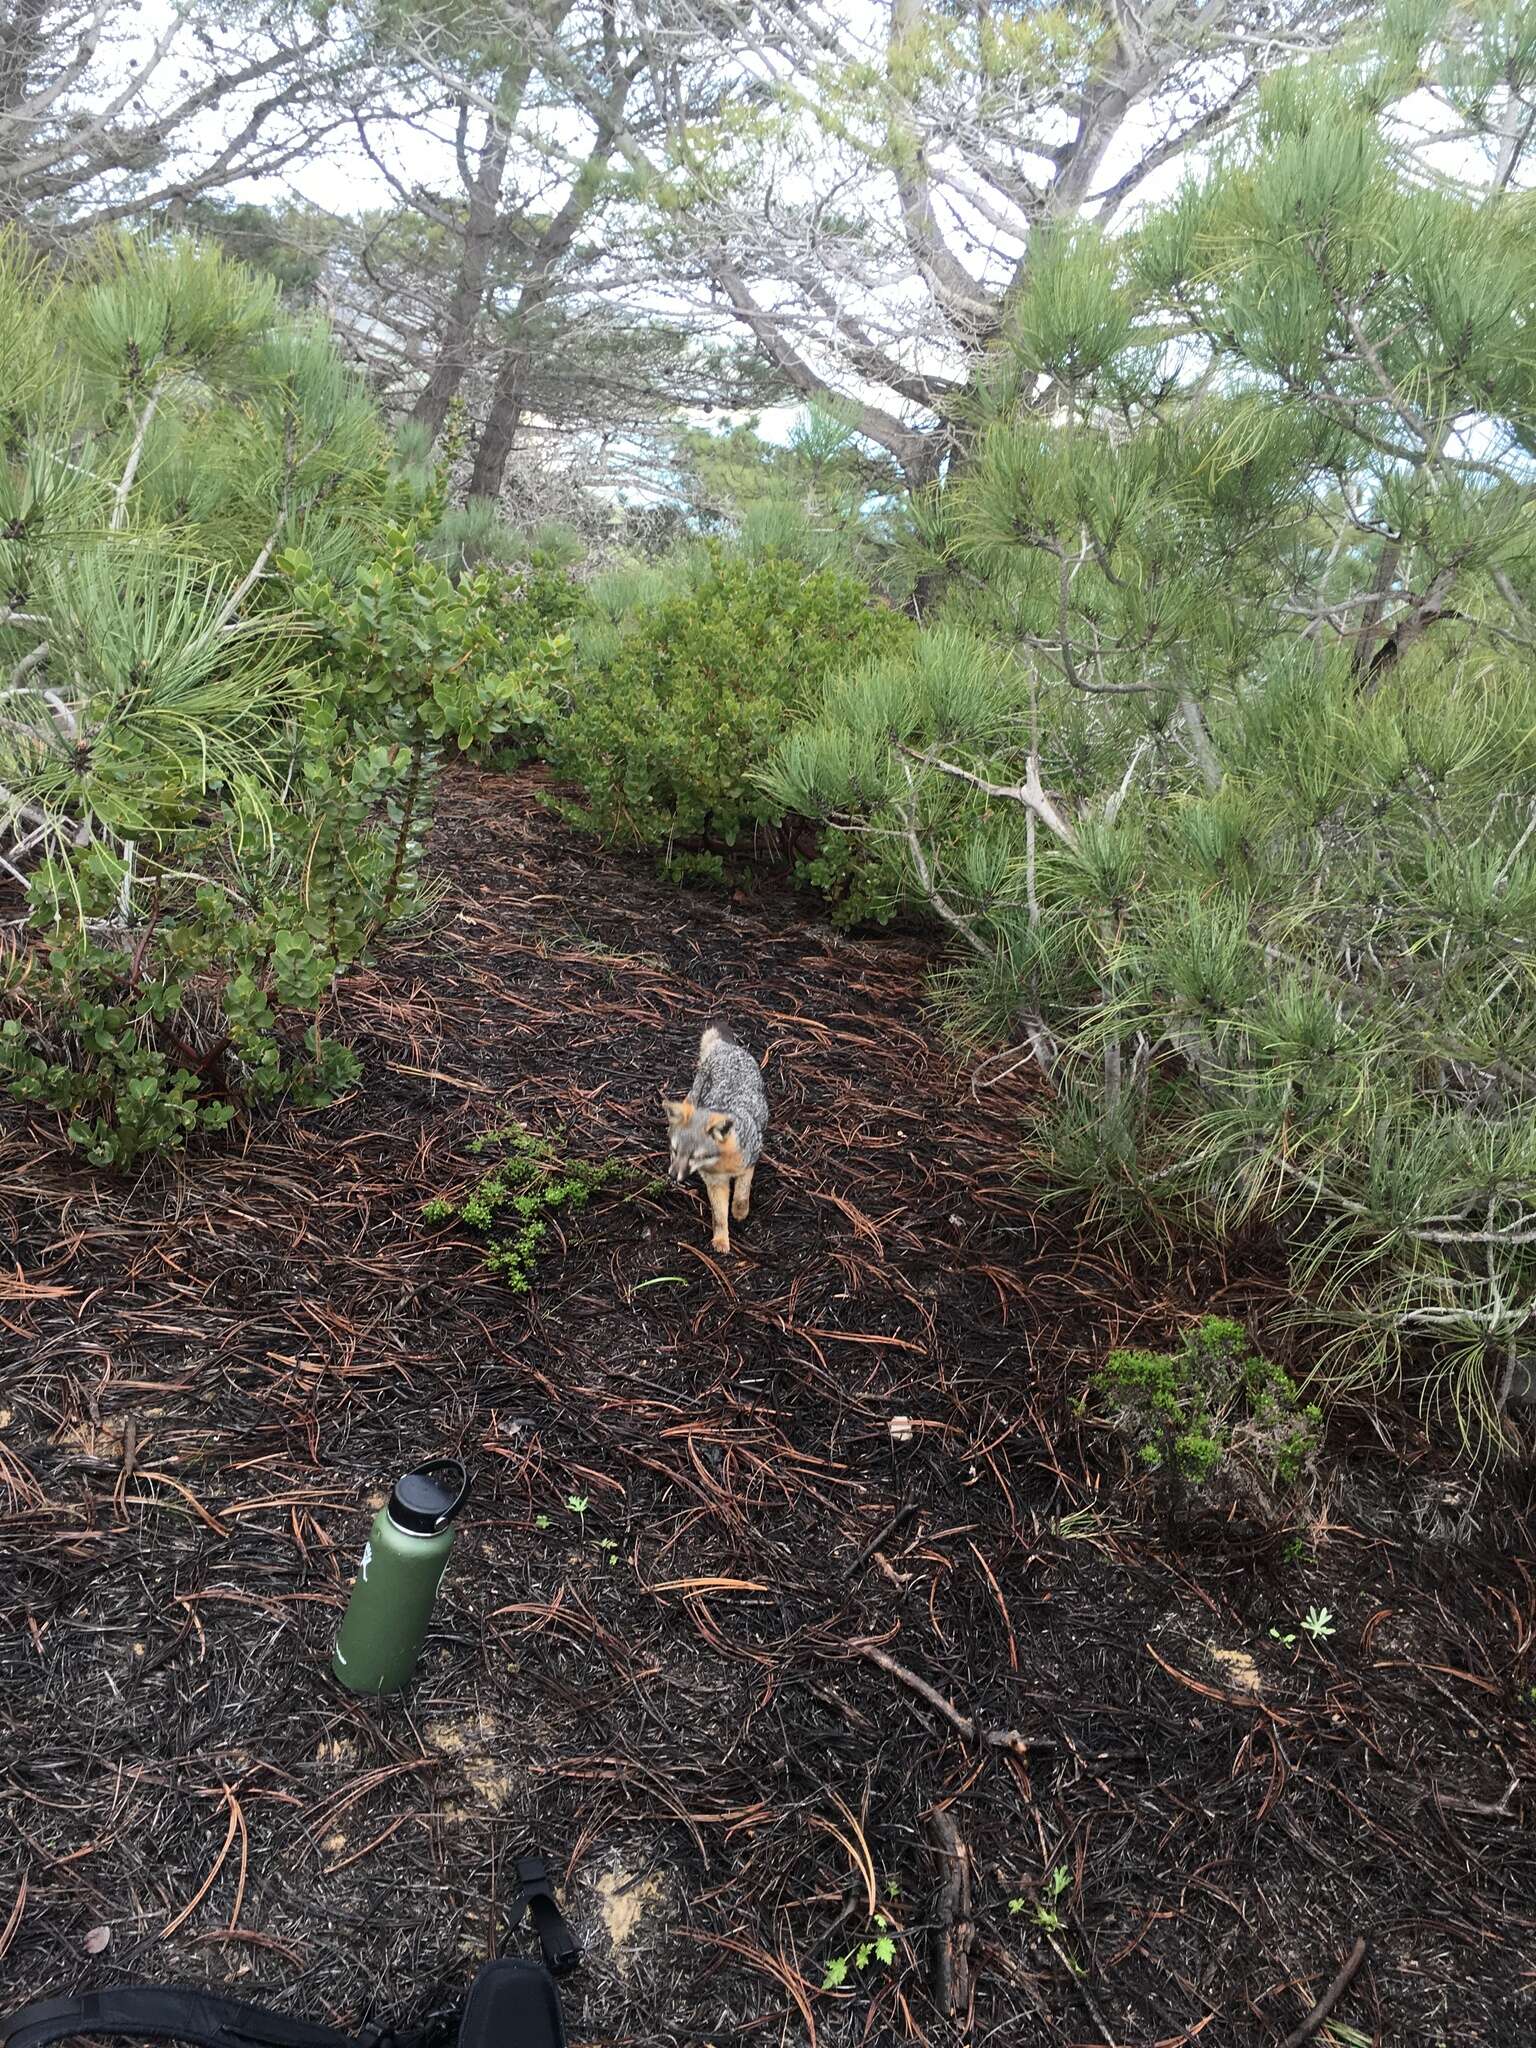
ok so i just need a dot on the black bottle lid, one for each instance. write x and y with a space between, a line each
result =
427 1499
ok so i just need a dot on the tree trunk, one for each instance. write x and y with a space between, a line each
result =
413 783
482 226
494 448
21 43
509 398
455 343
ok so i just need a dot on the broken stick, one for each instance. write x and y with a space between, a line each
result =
992 1738
1330 1997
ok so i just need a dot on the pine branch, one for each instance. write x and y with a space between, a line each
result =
952 917
1200 742
254 575
125 483
28 663
1029 792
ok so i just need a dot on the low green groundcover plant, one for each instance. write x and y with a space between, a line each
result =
137 1048
514 1204
1213 1410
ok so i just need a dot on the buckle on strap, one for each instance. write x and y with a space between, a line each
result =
536 1897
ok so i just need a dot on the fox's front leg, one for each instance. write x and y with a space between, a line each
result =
741 1195
719 1206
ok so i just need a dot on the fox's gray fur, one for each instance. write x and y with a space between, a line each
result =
717 1132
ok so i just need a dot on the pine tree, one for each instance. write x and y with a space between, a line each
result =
825 495
180 799
1220 765
166 432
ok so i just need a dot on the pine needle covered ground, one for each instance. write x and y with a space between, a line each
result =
792 1696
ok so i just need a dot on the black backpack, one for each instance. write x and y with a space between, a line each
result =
511 2004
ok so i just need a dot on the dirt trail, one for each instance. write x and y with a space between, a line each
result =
724 1697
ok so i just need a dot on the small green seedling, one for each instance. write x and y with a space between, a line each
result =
1288 1640
880 1948
541 1521
1318 1623
1045 1915
578 1503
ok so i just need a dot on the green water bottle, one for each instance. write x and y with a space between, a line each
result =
403 1561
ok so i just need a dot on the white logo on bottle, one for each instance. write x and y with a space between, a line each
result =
367 1560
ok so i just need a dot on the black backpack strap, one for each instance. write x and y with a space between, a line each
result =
170 2012
536 1898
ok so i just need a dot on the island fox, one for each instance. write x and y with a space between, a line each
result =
717 1131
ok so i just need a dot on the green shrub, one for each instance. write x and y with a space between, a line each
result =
415 663
624 590
162 993
514 1204
139 1049
1213 1410
230 673
861 884
825 497
664 737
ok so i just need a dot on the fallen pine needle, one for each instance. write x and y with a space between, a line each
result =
708 1586
191 1499
8 1933
208 1882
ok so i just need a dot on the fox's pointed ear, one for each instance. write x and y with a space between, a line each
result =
720 1126
677 1112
